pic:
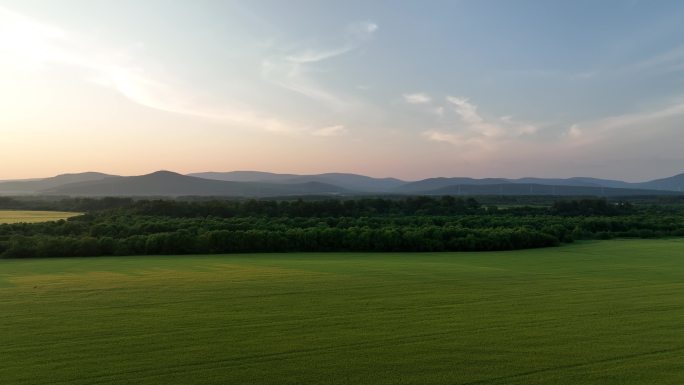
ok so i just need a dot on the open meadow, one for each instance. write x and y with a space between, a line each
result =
22 216
600 312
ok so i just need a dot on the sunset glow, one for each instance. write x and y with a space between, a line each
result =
411 91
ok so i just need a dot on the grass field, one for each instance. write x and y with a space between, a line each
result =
607 312
17 216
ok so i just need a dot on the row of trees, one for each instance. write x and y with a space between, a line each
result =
291 240
320 207
413 224
123 226
360 207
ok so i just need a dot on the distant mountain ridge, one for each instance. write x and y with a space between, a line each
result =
541 189
266 184
674 183
244 176
363 183
353 182
167 183
438 183
34 186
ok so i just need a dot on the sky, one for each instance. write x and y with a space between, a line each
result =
408 89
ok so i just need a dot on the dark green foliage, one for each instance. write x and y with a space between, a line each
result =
591 207
126 227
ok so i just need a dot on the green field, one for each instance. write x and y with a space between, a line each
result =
17 216
607 312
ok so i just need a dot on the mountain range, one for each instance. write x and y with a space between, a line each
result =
265 184
352 182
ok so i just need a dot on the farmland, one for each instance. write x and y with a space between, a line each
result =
22 216
600 312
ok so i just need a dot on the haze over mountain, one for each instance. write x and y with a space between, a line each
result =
244 176
540 189
436 183
348 181
675 183
166 183
264 184
33 186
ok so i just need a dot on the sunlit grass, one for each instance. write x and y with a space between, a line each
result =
598 312
19 216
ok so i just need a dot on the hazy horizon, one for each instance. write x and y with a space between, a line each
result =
333 172
388 89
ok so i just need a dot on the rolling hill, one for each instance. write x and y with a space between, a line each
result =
166 183
265 184
438 183
35 186
539 189
352 182
244 176
673 183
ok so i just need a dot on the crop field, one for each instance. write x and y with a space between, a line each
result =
608 312
16 216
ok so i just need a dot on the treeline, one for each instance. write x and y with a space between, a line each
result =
64 204
272 208
288 240
359 207
591 207
373 224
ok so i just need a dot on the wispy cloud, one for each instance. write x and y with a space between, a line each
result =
293 71
26 43
508 142
311 56
638 123
474 129
455 138
574 132
362 30
466 110
417 98
664 62
336 130
669 61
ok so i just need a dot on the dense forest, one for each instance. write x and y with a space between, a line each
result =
120 226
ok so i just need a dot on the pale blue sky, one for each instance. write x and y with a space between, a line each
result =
386 88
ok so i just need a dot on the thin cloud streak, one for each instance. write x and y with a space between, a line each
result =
671 60
417 98
28 43
293 71
611 127
311 56
336 130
